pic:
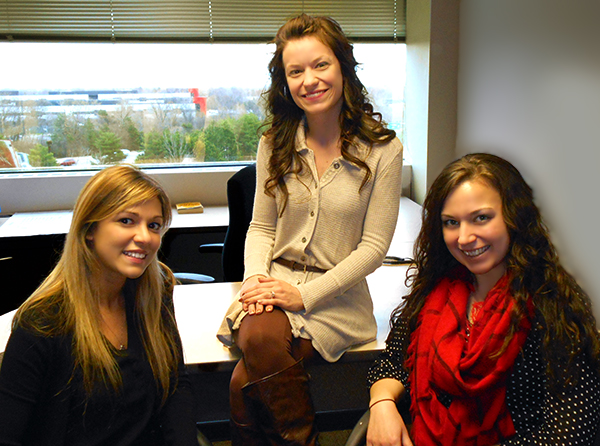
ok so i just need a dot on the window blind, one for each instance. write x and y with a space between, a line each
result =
191 20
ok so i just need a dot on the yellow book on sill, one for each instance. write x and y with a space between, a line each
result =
192 207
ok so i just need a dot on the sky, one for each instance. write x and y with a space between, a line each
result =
70 66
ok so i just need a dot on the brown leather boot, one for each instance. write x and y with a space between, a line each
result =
284 407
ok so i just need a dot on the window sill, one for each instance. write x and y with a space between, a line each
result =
51 191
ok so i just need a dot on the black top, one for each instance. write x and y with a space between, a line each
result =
42 400
540 418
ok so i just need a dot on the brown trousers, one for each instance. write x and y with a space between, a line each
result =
267 347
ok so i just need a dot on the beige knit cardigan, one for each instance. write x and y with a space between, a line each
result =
327 223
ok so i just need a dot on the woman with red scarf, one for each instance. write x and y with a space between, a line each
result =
496 343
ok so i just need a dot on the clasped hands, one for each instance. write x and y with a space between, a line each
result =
260 294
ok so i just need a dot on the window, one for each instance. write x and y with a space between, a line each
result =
79 105
161 81
105 106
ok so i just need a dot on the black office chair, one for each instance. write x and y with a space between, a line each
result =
202 440
241 189
192 278
240 202
358 436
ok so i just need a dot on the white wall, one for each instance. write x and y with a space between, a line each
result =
529 85
431 80
30 192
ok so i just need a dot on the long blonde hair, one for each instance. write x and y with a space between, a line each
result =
67 302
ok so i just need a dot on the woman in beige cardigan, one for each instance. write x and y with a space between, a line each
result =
328 189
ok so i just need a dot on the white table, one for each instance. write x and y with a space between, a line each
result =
199 310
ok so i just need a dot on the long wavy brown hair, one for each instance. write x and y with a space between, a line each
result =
67 302
357 117
562 308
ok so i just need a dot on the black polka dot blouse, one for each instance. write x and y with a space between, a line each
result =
540 417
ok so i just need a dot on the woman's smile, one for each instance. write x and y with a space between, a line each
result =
475 252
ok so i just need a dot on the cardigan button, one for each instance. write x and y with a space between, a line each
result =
336 165
303 239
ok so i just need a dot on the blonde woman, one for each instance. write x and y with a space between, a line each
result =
94 356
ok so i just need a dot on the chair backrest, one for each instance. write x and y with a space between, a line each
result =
241 188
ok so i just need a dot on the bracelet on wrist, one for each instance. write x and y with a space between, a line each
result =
383 399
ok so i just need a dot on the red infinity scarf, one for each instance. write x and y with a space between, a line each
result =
444 360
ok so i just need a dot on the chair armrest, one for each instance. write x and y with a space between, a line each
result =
192 278
202 440
358 436
211 248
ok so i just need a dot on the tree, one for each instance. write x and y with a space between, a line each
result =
90 135
177 145
134 136
40 156
200 148
109 146
164 116
154 146
11 120
219 139
247 136
68 137
103 119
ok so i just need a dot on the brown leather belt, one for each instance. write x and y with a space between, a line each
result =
295 266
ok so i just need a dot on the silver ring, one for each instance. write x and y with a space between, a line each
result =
272 294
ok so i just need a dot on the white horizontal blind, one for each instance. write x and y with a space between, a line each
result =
190 20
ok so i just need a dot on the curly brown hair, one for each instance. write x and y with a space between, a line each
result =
562 308
357 118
